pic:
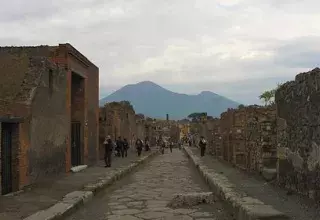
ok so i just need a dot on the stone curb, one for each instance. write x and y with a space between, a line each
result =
75 199
243 206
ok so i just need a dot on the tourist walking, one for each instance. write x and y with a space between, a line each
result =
125 147
180 144
147 144
108 145
190 143
139 146
171 146
163 145
202 145
120 147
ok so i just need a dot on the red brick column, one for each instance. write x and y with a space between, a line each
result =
24 145
68 141
85 119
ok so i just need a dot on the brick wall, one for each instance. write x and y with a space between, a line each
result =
20 77
49 124
71 59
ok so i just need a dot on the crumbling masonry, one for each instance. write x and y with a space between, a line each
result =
282 140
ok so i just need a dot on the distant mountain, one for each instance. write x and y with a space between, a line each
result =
154 101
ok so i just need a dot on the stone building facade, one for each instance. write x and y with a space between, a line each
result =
117 119
245 137
226 122
43 91
298 108
248 137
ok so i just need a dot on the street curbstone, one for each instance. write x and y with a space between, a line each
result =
242 206
72 201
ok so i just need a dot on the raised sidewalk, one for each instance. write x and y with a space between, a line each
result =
244 192
62 194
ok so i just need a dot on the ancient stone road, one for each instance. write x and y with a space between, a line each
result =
146 193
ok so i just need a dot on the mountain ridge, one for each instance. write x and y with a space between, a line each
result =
155 101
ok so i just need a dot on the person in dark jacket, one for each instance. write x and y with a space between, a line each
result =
139 146
120 146
202 145
190 142
108 145
171 146
163 145
125 147
147 144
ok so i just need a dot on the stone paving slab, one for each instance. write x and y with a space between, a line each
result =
148 192
60 189
243 206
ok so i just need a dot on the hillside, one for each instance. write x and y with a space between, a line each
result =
152 100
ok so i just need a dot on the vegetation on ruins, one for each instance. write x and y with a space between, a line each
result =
268 96
196 116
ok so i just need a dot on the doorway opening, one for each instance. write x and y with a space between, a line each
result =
77 119
9 153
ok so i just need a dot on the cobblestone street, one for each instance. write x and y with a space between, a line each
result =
146 193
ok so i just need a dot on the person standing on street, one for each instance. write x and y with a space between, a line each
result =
108 145
190 143
180 144
163 145
125 147
171 146
147 144
202 145
120 146
139 146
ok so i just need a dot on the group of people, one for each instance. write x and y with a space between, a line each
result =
121 147
170 144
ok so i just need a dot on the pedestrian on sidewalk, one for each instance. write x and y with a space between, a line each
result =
125 147
163 145
120 146
171 146
139 146
147 144
180 144
202 145
108 145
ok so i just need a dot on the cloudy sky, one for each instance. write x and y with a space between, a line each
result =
236 48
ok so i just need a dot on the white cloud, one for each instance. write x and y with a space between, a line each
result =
180 43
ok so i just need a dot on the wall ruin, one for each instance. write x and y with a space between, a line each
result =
298 107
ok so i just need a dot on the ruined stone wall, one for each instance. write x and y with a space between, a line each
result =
216 138
260 138
246 137
37 147
226 123
117 119
237 141
298 107
49 125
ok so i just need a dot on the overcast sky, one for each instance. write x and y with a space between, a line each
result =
236 48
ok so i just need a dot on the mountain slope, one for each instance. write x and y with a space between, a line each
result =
152 100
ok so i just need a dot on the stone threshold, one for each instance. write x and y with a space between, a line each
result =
79 168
